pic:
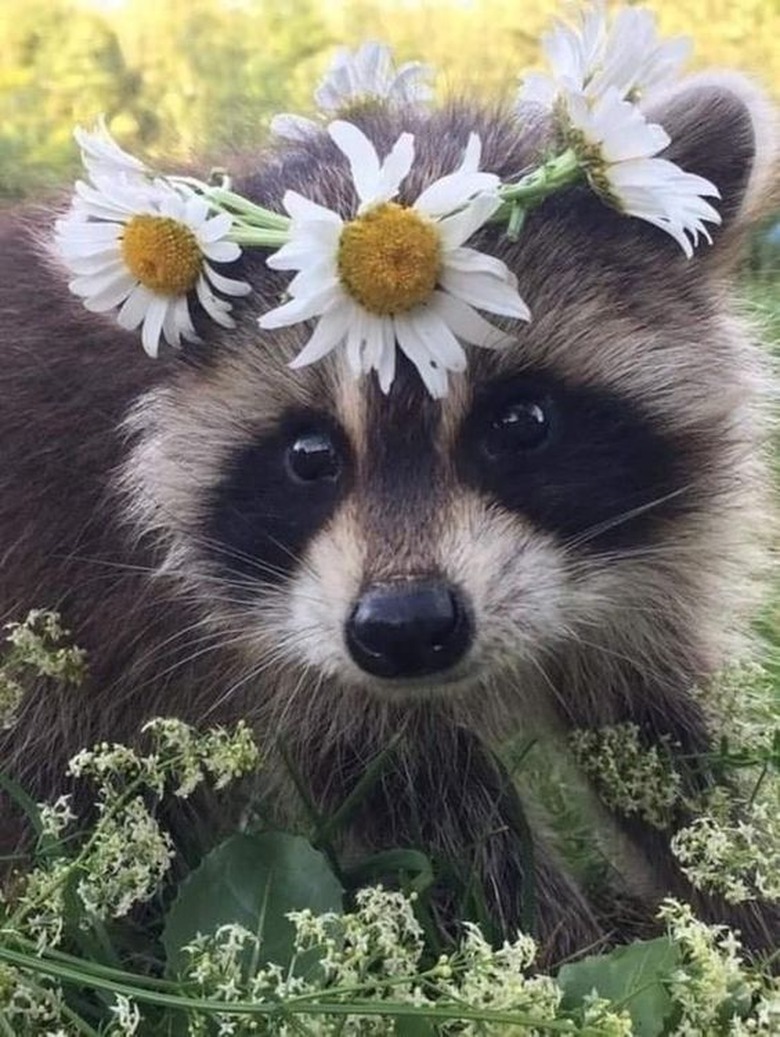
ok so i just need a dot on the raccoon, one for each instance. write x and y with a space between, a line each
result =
569 539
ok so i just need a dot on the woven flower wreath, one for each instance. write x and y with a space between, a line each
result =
391 276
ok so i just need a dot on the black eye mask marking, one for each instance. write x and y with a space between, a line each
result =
275 495
580 462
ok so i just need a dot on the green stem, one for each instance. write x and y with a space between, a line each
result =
82 978
559 172
225 199
258 236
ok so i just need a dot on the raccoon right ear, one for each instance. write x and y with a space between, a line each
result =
723 128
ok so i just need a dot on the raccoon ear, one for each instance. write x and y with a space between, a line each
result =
723 128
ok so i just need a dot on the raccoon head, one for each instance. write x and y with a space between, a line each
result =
575 510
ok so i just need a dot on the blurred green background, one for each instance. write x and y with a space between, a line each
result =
179 77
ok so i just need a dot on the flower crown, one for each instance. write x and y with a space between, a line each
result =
393 275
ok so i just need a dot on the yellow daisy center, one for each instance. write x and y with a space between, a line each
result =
389 259
162 253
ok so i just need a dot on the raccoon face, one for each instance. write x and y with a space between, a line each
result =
574 494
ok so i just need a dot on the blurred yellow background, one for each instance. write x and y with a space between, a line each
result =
184 76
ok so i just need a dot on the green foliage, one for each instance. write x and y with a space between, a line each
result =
635 977
252 881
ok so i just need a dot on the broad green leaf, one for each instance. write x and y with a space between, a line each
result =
252 880
633 977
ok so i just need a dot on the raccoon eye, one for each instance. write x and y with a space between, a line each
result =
312 457
521 425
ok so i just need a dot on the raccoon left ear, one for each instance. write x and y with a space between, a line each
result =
723 128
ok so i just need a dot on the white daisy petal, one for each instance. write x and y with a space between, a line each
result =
361 155
134 308
226 285
457 229
303 210
152 325
102 155
221 251
450 192
217 309
316 239
394 169
214 227
293 127
385 367
300 309
469 260
467 324
485 291
412 344
330 332
109 296
97 284
439 339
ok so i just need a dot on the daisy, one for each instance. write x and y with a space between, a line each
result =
396 274
592 58
355 78
146 247
617 145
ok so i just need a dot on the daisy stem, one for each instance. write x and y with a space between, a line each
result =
257 236
229 201
225 199
559 172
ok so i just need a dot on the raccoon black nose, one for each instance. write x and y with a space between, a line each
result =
408 629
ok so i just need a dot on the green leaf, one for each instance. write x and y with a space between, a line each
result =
413 1026
252 880
632 977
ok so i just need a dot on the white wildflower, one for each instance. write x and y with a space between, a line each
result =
594 57
146 247
356 78
127 1017
630 777
733 846
55 817
129 857
617 146
396 274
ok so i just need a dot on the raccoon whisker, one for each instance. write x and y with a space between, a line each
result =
273 658
626 516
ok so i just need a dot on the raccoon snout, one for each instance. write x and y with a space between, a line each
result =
408 629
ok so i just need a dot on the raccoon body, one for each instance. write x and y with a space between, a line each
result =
567 540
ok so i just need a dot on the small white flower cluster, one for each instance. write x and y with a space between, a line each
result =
733 846
392 275
39 642
181 757
127 1018
123 860
27 1006
55 817
631 778
216 755
374 953
712 989
127 862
